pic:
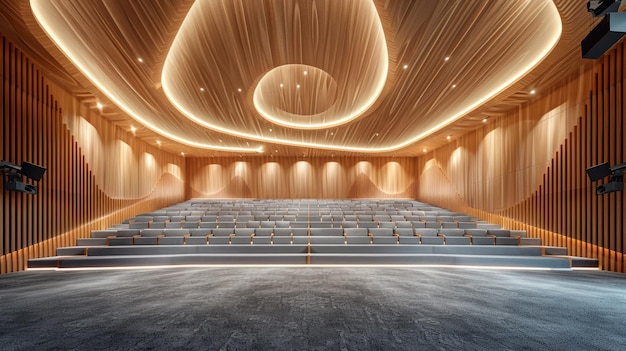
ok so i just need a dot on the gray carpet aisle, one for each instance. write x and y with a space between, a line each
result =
312 308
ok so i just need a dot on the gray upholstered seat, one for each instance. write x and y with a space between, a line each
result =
196 240
356 231
241 240
175 232
152 232
219 240
384 240
172 240
145 241
327 232
358 240
407 240
281 240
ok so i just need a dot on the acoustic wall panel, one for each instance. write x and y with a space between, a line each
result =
291 177
98 174
526 170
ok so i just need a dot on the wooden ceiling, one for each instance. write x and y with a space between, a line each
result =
302 77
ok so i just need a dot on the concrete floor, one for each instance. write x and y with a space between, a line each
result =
312 308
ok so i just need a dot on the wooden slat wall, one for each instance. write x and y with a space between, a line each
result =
42 123
527 169
286 177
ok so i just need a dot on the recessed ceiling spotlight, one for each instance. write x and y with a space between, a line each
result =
298 86
453 86
281 85
201 89
449 137
532 92
182 154
276 151
158 142
446 58
425 150
140 59
405 66
306 72
485 120
220 140
133 129
376 134
99 105
271 130
239 90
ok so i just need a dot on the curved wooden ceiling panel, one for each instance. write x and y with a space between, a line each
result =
357 76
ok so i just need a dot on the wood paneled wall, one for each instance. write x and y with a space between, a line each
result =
526 170
286 178
97 173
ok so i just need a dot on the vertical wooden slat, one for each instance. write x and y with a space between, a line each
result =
69 199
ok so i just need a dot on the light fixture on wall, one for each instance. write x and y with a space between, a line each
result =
603 170
599 8
14 173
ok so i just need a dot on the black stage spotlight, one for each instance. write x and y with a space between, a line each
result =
616 182
601 7
14 175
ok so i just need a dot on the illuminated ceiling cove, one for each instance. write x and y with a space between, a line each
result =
353 76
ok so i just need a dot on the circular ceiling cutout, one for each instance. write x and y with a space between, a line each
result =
297 96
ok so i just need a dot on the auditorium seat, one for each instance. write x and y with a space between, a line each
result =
261 240
281 240
326 240
91 241
222 232
434 225
156 225
358 240
349 224
384 240
241 240
432 240
388 225
404 231
152 232
449 225
327 232
225 224
145 240
120 241
300 240
138 225
103 233
320 224
356 232
219 240
175 232
207 225
368 225
299 231
381 232
426 231
263 232
283 224
127 232
196 240
246 231
171 240
407 240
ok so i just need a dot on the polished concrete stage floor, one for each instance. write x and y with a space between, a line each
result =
312 308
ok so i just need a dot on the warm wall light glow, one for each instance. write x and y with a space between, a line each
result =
99 105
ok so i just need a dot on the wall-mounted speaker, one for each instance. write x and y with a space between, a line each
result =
607 33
